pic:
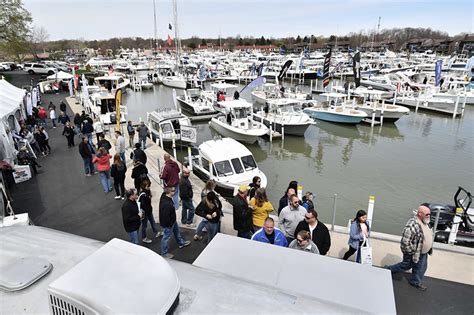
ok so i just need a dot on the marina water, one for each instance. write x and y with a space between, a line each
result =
423 157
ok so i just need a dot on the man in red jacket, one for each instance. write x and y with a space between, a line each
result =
170 177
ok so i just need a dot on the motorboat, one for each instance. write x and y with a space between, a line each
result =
102 105
176 81
235 121
166 123
145 84
112 82
196 102
266 92
334 110
231 162
283 115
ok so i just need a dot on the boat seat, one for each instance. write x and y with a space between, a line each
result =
339 110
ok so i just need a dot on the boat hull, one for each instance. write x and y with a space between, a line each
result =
334 117
290 129
247 136
174 83
188 108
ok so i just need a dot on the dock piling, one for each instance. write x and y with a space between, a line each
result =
334 212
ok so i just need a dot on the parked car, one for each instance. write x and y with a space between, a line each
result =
4 67
38 68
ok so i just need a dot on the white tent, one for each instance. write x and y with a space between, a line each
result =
61 75
10 98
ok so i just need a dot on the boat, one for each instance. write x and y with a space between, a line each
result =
284 112
231 162
196 102
176 81
145 84
334 110
166 123
235 121
266 92
112 82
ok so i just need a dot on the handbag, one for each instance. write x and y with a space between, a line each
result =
366 253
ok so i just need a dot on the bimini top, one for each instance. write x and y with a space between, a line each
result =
108 77
223 86
223 149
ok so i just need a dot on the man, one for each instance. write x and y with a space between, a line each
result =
416 244
131 216
104 143
142 134
303 242
99 129
270 234
62 107
318 231
120 145
138 154
186 195
63 118
243 222
139 173
290 216
87 130
285 200
168 222
170 177
86 150
131 133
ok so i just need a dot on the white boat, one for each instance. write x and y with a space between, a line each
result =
231 162
268 91
284 112
196 102
455 89
145 84
112 82
334 110
176 81
166 123
102 105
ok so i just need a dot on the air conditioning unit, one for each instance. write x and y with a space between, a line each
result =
120 277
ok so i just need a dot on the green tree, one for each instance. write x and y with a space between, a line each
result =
203 42
14 28
298 39
192 45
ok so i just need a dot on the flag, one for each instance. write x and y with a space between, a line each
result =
470 67
110 70
255 83
356 68
284 69
170 27
438 65
306 52
169 40
327 61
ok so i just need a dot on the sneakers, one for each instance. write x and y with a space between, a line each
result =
123 198
159 234
419 286
117 197
168 256
197 237
186 243
146 240
190 225
88 175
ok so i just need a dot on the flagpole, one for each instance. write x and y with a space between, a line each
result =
154 21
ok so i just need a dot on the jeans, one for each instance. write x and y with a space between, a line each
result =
133 237
247 235
130 140
176 197
417 269
211 230
122 157
201 226
88 166
105 180
187 211
146 218
119 185
167 235
53 120
89 138
142 141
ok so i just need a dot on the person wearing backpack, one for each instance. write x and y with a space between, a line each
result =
118 171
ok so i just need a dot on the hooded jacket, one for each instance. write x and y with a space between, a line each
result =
102 161
170 174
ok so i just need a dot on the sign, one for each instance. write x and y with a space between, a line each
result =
438 65
21 173
188 134
118 100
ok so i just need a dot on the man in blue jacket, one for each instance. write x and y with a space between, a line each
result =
270 234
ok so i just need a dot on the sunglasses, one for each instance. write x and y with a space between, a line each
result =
300 241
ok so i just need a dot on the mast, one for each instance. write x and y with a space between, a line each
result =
176 33
155 31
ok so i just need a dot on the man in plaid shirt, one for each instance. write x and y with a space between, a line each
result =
416 244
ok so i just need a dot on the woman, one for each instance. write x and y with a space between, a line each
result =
103 166
77 122
261 208
46 139
68 132
144 201
210 186
41 140
256 181
210 208
358 233
118 171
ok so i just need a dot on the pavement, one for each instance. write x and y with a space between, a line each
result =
61 197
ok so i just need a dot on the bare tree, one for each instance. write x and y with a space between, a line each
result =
38 37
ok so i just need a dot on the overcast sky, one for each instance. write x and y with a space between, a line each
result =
102 19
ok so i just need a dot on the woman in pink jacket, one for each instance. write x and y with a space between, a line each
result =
102 159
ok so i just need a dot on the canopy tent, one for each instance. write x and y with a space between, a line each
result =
61 75
11 98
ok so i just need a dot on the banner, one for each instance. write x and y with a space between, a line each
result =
327 61
284 69
438 66
21 173
71 91
188 134
252 85
356 68
169 40
118 101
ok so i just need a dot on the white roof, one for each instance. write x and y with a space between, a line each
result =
223 86
223 149
10 98
61 75
108 77
240 103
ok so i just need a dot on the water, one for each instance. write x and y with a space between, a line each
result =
424 157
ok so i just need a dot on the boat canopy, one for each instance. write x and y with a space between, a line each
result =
223 150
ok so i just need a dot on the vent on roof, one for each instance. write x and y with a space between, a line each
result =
64 306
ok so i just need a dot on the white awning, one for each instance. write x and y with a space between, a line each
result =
11 98
61 75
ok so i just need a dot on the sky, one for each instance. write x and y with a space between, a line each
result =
103 19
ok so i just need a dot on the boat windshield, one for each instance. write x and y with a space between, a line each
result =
240 113
223 168
248 162
237 165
